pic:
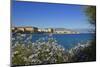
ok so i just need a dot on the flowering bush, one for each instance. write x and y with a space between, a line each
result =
44 51
24 52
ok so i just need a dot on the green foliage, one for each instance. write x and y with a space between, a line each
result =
90 51
84 54
40 52
91 13
48 51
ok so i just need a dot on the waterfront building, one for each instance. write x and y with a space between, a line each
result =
64 31
31 29
26 29
47 30
19 29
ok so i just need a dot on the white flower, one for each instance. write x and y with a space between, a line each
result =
16 52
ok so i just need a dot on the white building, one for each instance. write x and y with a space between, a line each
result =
48 30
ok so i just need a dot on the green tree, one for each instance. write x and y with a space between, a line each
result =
90 51
90 12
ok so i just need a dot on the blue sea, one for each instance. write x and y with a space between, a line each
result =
66 40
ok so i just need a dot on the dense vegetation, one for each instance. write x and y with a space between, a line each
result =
90 12
25 52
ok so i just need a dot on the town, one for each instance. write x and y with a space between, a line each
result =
30 29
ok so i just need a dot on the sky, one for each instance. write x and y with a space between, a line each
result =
46 15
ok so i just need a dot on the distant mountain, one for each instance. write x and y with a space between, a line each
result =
75 30
61 29
84 30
